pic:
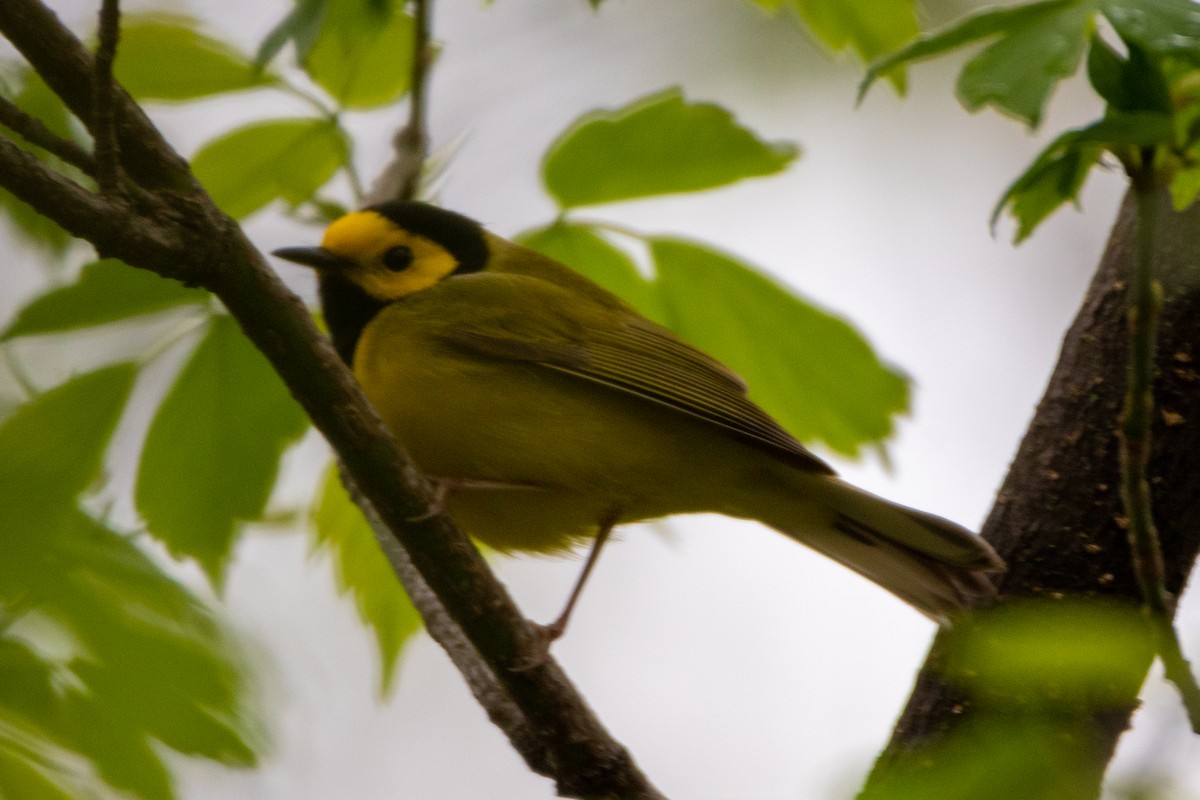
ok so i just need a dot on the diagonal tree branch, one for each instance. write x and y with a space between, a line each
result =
178 233
33 131
104 99
68 69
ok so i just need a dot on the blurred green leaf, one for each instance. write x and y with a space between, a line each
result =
991 759
1041 651
1017 73
1127 84
1058 173
166 58
1038 44
981 25
870 27
103 656
362 570
301 26
1185 185
213 449
659 144
819 377
106 291
251 166
1160 27
363 53
586 251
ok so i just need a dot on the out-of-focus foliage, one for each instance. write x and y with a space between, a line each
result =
1152 108
103 656
362 570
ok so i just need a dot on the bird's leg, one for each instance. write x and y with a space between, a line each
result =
555 629
442 487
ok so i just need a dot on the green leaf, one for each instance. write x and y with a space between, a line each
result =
213 449
301 26
103 655
1160 27
1185 187
165 58
659 144
252 166
363 54
870 27
1055 651
51 447
1017 73
811 370
1127 84
584 250
363 571
976 27
1058 173
106 291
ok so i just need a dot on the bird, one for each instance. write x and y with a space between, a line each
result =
546 411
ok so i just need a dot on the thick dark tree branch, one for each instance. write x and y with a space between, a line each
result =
68 69
104 98
178 233
1058 519
33 131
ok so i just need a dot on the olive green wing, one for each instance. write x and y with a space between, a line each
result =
632 354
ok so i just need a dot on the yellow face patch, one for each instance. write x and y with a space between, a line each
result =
365 236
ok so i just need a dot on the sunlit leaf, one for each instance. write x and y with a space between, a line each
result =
1047 652
870 27
818 377
106 291
363 571
583 249
213 449
363 53
659 144
167 58
285 159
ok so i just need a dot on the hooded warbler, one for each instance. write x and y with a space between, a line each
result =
546 409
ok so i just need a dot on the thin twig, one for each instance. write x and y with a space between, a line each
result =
401 179
104 98
1145 300
34 131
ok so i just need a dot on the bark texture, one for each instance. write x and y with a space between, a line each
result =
1058 518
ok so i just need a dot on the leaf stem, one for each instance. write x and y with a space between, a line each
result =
1145 300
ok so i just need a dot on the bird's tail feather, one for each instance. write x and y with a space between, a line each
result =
933 564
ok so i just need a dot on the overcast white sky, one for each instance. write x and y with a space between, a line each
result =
733 663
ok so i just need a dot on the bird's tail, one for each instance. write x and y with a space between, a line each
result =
933 564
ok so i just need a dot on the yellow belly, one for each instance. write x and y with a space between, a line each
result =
586 449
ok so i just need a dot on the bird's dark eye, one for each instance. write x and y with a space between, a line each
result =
398 259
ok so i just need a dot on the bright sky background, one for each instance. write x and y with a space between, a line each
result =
732 663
